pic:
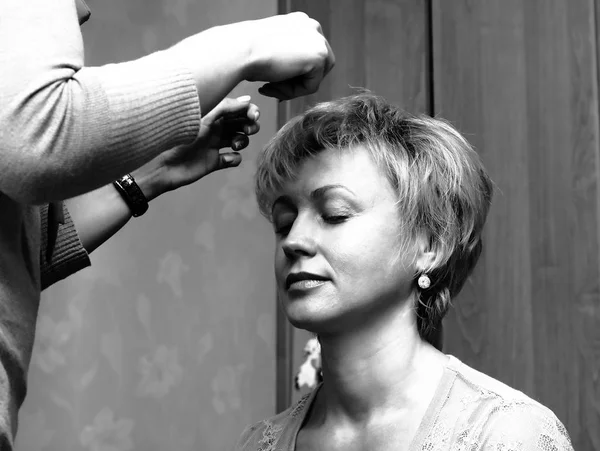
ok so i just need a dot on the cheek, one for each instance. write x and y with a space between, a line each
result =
279 262
368 239
355 257
369 252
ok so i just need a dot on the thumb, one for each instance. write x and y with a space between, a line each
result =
228 107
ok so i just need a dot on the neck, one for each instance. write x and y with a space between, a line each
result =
379 367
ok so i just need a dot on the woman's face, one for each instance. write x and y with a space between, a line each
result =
338 254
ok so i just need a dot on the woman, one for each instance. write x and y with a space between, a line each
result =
378 217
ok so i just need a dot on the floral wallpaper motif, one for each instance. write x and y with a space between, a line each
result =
168 340
160 371
107 433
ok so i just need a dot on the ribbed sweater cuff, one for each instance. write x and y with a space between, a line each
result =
150 104
69 255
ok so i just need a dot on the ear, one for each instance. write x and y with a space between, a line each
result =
426 256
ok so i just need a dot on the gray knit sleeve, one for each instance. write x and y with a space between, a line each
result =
67 255
67 129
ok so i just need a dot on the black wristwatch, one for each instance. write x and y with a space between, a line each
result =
132 195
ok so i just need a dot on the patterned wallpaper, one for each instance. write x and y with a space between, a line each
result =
168 341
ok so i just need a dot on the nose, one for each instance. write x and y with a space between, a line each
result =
300 241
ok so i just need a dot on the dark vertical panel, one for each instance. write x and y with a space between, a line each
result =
380 45
283 329
348 28
551 147
396 51
520 79
479 85
283 362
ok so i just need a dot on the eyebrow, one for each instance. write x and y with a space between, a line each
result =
320 192
316 194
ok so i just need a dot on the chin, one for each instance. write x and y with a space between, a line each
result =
317 313
303 318
316 322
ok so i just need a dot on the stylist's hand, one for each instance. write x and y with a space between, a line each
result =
290 53
226 126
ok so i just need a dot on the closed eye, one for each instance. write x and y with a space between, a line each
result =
335 219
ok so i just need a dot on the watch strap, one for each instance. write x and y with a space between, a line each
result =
132 195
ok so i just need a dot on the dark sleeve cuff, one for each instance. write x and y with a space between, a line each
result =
68 255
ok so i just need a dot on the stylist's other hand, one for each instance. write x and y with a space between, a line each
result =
225 126
290 53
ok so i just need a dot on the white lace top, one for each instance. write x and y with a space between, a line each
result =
469 411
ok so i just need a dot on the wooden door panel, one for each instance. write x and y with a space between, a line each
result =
519 78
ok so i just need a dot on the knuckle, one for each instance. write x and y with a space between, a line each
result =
315 24
300 15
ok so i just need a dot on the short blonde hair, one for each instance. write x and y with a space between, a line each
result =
444 192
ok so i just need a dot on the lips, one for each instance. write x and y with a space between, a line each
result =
299 276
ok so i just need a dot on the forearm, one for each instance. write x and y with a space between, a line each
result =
220 67
101 213
67 129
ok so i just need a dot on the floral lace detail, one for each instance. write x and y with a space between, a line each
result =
267 435
501 426
547 432
270 436
299 407
438 438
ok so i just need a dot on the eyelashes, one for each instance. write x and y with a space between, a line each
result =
335 219
284 229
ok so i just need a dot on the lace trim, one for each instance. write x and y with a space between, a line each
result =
549 434
299 407
270 436
271 433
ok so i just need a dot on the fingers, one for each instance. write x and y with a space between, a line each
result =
233 120
238 142
281 90
240 125
236 131
238 113
230 108
229 160
290 89
253 113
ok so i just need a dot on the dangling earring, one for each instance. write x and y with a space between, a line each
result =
424 281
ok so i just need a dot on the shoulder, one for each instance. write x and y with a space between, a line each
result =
485 386
524 425
508 418
266 434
